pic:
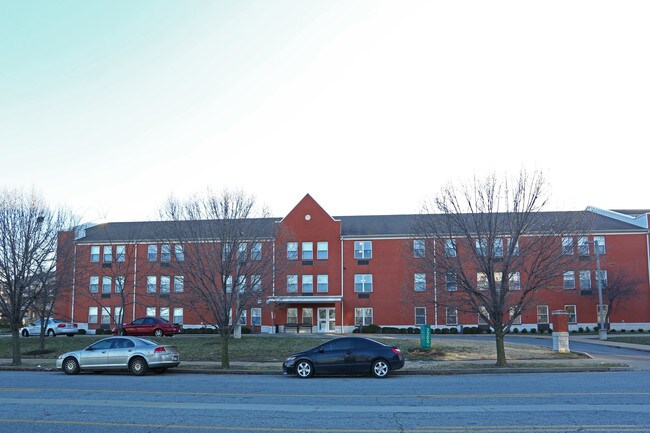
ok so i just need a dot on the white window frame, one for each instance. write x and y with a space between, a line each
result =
120 253
93 286
572 314
322 283
152 253
480 320
164 313
514 281
92 315
150 311
517 320
450 248
178 315
256 317
419 248
292 283
152 284
307 251
363 283
292 315
307 313
420 282
107 253
165 284
451 282
94 253
292 250
256 251
165 253
605 310
583 246
322 250
120 280
451 316
179 252
107 284
569 280
602 248
585 280
117 314
307 284
567 246
420 316
106 316
542 315
363 316
497 247
179 283
363 250
482 282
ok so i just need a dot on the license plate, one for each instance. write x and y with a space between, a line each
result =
174 358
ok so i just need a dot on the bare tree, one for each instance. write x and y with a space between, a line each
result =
229 259
620 284
28 240
493 247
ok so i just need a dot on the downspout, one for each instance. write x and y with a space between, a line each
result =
435 288
647 242
74 279
135 273
342 297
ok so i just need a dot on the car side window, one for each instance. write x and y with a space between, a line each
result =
122 343
365 344
343 344
138 322
149 321
101 345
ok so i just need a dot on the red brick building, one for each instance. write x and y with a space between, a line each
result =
346 271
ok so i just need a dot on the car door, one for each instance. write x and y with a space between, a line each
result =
96 355
135 327
120 352
335 357
366 351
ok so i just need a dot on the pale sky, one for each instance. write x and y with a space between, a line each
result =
108 107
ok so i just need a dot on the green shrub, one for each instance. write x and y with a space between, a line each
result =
453 330
245 330
445 330
623 330
515 331
371 329
524 331
437 331
389 330
533 331
581 329
82 332
641 330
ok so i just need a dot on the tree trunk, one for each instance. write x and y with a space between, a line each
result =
15 346
225 357
501 350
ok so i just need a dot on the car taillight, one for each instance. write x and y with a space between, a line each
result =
396 350
159 350
75 325
61 325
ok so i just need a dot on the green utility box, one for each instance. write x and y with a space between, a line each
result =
425 336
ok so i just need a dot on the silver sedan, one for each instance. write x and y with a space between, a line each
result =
137 355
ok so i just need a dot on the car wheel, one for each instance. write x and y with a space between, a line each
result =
380 368
25 333
50 333
158 333
70 335
123 332
159 370
70 366
138 366
304 369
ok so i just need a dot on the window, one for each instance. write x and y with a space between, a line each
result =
226 250
323 283
308 251
481 247
256 283
604 313
120 253
292 283
94 253
418 248
229 284
151 311
601 277
363 249
363 316
571 313
242 252
307 284
292 250
178 315
497 247
106 316
450 248
256 316
322 251
583 246
94 284
516 320
513 249
152 284
599 245
119 284
179 254
165 284
451 316
420 316
165 253
256 253
483 313
420 282
92 314
585 280
308 316
108 254
242 318
451 283
481 281
152 253
106 284
567 246
241 284
179 283
514 281
118 315
363 283
542 314
164 313
292 315
569 280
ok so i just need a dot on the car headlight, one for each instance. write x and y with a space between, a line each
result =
291 358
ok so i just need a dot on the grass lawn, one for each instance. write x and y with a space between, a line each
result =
261 348
633 340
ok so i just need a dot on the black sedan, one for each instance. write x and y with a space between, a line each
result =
346 355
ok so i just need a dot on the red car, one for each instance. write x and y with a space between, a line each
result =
155 326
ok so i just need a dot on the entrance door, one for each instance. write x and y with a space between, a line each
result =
326 320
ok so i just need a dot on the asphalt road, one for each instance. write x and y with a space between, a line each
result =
551 403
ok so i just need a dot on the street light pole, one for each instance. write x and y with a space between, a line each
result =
602 332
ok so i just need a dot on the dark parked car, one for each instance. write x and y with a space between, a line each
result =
120 353
155 326
346 355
